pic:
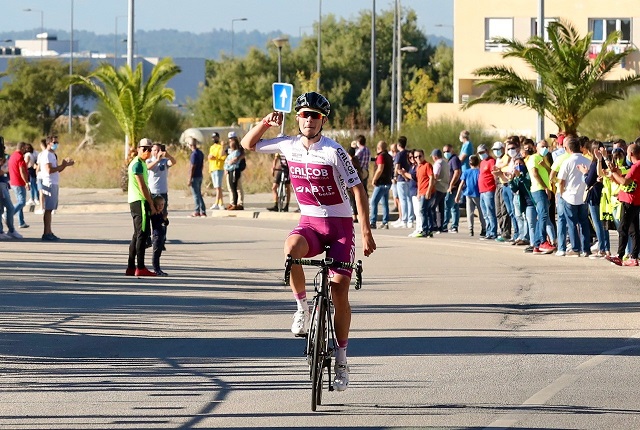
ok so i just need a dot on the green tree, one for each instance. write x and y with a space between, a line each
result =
128 97
442 66
241 87
573 83
37 93
422 90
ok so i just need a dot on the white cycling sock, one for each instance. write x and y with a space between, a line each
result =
301 301
341 355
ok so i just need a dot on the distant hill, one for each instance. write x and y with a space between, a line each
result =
173 43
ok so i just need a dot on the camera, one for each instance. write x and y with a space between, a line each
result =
163 147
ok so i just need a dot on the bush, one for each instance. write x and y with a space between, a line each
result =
619 119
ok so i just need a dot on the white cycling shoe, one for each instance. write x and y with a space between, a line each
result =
300 323
341 380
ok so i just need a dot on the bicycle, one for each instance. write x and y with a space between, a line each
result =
281 202
319 350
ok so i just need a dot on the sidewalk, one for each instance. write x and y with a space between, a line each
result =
89 200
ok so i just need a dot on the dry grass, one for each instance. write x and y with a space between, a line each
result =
101 166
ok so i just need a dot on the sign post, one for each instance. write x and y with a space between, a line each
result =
282 99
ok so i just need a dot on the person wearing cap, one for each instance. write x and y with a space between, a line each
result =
141 207
321 174
504 210
50 183
451 208
558 147
436 203
217 155
487 188
195 179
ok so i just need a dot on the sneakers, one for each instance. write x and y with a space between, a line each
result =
453 230
500 239
25 225
598 254
273 208
195 215
239 208
419 234
130 271
160 273
384 226
595 246
614 259
585 254
547 248
399 224
214 207
483 233
4 236
528 250
15 235
537 251
373 226
50 237
341 380
572 253
144 272
560 253
632 262
300 323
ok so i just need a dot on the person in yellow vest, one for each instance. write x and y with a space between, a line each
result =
217 155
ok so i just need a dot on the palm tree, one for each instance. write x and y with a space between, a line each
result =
127 96
573 83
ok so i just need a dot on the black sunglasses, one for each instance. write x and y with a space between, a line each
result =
310 114
146 148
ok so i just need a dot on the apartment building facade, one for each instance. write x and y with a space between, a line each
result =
477 23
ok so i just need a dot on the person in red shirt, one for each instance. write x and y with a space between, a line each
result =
426 189
629 196
487 187
19 181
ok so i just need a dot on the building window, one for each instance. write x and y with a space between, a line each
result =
497 27
603 27
534 27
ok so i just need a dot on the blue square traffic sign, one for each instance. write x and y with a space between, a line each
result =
282 97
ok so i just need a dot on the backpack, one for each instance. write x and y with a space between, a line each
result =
242 165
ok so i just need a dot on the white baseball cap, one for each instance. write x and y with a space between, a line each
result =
232 134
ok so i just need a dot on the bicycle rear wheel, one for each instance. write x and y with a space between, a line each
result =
282 195
319 346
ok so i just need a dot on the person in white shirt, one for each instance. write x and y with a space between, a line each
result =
572 189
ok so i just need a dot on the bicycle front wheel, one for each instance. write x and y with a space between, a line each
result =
319 341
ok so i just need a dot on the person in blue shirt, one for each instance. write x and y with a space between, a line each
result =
466 150
470 190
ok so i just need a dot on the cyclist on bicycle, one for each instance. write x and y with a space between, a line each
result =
321 172
280 172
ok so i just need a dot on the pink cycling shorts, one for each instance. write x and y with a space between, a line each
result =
338 233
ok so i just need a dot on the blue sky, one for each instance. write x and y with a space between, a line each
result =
291 17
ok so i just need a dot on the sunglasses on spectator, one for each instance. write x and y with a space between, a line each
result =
146 148
417 156
310 114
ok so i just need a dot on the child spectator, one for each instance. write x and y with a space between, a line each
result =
469 189
159 223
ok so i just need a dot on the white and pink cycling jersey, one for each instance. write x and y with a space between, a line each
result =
320 175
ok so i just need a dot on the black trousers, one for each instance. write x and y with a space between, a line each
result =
629 226
159 236
140 213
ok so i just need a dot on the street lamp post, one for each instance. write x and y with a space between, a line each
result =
233 34
280 42
115 41
71 72
540 33
373 68
41 27
399 91
319 44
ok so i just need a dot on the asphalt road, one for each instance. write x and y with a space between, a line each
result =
450 332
